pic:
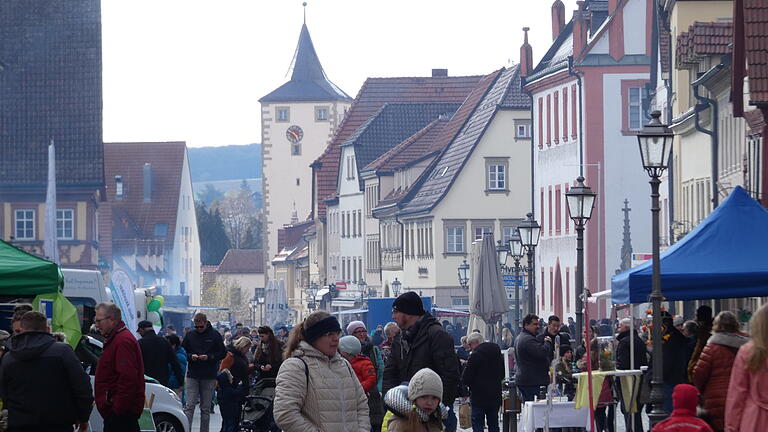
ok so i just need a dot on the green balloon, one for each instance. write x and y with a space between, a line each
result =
153 306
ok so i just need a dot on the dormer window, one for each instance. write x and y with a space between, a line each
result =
119 187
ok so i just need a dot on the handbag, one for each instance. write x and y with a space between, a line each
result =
465 415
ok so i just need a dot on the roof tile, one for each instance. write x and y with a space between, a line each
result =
756 47
703 39
242 261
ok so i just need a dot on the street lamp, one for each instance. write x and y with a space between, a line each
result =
361 286
529 235
396 287
464 275
502 250
312 294
655 140
516 252
581 202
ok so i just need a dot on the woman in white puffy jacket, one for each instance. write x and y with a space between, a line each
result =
317 390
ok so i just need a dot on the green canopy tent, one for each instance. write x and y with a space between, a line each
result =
24 274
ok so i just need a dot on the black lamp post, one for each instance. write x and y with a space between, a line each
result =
464 275
516 252
529 234
362 287
655 140
581 201
396 284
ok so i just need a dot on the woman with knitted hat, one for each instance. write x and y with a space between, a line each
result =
317 390
417 407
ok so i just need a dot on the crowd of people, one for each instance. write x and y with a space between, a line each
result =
406 377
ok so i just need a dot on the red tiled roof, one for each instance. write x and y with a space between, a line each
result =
756 47
242 261
664 51
289 235
703 39
374 93
127 160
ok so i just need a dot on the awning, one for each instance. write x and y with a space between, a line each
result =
321 293
351 312
443 312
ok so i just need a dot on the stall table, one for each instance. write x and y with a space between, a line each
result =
564 414
629 379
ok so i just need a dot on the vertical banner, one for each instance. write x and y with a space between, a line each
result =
50 244
122 292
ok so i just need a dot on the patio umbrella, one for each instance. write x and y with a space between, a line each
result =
487 296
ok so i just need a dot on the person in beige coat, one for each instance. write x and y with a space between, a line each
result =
317 390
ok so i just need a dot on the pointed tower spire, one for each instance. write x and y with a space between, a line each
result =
626 244
308 81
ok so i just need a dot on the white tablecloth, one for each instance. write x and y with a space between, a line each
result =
563 415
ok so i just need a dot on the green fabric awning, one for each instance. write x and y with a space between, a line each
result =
22 273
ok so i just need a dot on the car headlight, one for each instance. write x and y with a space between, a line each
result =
173 394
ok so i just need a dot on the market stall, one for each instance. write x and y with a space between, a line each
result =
25 275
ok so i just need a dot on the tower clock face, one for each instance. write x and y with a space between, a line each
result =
294 134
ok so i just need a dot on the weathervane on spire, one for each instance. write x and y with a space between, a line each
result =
305 12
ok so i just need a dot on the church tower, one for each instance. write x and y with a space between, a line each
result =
297 121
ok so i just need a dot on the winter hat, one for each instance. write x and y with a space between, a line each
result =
409 303
354 325
564 349
350 345
678 320
228 361
685 397
425 383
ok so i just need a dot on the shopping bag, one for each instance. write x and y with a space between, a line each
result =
465 416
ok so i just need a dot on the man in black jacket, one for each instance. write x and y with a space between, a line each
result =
483 374
623 357
553 330
42 383
205 348
158 354
422 343
532 358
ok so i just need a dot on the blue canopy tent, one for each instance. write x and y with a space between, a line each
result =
725 256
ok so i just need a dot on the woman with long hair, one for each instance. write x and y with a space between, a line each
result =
269 353
746 408
316 388
712 372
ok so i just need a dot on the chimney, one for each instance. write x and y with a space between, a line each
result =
147 182
558 18
580 26
439 73
526 55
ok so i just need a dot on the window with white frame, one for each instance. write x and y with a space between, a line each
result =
522 129
497 177
283 114
321 113
25 224
454 239
635 108
479 230
65 221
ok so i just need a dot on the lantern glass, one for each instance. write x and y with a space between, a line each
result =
516 245
501 251
655 142
581 201
529 232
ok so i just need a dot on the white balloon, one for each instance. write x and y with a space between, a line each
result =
153 317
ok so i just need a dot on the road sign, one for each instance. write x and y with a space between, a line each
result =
509 280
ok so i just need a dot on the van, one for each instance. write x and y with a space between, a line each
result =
85 289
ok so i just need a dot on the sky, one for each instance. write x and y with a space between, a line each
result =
194 70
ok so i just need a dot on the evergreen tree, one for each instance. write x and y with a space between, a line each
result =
214 242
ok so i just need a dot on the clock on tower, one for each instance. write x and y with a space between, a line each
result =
294 134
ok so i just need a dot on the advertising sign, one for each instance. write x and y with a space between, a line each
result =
122 291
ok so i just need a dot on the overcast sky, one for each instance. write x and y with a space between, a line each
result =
193 70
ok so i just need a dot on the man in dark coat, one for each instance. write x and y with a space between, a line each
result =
623 357
483 375
532 358
422 343
42 383
552 330
119 380
205 348
676 354
158 354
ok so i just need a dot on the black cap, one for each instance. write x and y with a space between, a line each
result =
409 303
145 324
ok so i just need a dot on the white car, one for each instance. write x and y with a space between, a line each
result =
166 408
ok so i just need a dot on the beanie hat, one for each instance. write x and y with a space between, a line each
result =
354 325
228 361
350 345
425 383
409 303
678 320
564 349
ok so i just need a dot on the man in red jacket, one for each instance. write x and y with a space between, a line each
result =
119 381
